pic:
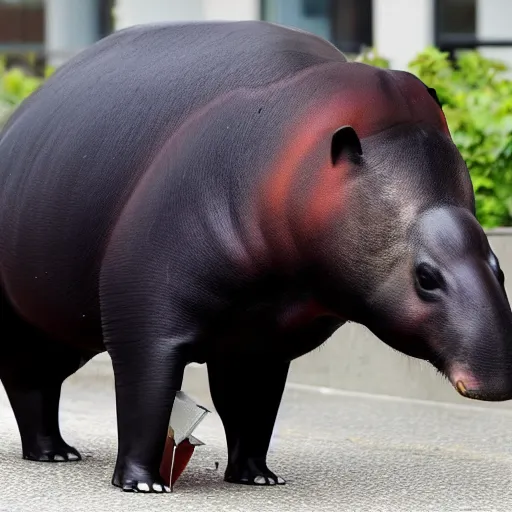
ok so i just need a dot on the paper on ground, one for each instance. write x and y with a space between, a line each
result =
185 417
180 444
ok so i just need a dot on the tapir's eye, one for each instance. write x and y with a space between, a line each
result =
493 260
428 278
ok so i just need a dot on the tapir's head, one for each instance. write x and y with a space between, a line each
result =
445 302
422 275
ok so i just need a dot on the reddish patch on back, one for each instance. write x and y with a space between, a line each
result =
368 100
277 188
310 138
422 108
444 124
327 197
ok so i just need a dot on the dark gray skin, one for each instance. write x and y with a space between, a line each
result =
231 193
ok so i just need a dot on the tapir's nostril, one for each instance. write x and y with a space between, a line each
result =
469 386
461 388
464 381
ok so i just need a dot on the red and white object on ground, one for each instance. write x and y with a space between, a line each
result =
180 444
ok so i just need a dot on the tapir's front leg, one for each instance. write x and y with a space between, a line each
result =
148 372
149 353
247 395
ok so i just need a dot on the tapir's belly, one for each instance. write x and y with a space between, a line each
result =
55 289
75 322
276 334
285 345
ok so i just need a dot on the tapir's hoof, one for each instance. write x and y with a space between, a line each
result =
60 453
145 487
252 473
143 483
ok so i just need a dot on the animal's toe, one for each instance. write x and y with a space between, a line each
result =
252 473
269 479
52 452
145 487
133 487
38 457
273 479
73 456
64 454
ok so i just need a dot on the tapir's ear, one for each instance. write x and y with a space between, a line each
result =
433 93
345 139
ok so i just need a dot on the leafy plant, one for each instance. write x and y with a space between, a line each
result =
477 100
371 56
15 86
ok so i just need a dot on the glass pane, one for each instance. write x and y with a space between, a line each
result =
352 24
21 22
346 23
456 17
22 3
310 15
316 8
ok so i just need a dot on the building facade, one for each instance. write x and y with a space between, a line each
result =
398 29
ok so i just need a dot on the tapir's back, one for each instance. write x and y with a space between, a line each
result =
117 101
71 154
76 151
109 110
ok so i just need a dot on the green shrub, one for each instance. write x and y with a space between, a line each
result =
477 101
370 56
15 86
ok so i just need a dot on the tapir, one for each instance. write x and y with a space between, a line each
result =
230 194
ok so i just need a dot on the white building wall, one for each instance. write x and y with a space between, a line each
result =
402 28
134 12
231 9
70 26
494 21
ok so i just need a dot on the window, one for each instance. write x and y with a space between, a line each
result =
315 8
21 22
351 24
456 27
106 19
455 22
346 23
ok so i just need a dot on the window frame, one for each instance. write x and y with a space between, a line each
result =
454 42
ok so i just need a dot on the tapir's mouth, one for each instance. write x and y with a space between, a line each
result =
481 395
473 388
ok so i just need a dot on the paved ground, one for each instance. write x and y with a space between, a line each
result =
338 451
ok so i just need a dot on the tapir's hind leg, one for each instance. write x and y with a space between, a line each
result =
32 370
247 396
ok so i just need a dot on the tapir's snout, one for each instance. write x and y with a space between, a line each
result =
472 337
490 389
469 331
447 304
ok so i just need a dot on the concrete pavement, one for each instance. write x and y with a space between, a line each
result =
338 450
